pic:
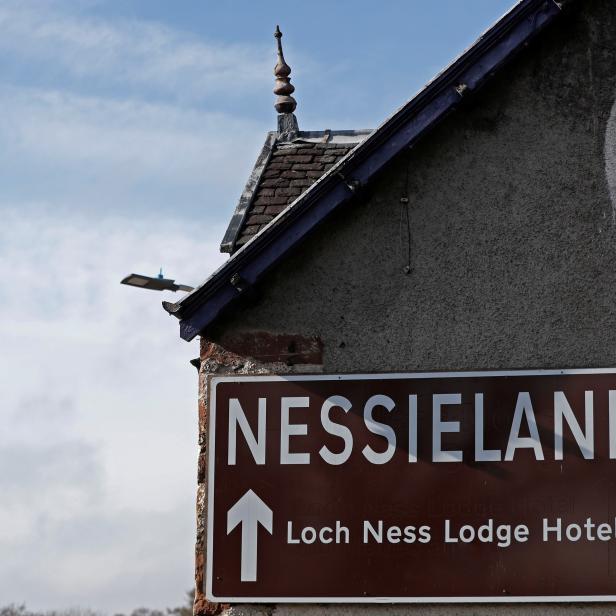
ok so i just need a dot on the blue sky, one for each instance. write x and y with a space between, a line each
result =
127 132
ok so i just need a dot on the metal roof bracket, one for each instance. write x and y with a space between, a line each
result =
351 183
461 89
239 283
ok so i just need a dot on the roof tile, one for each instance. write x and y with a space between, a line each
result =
293 174
274 209
258 219
272 173
292 191
292 168
271 183
280 164
308 167
298 159
278 200
302 182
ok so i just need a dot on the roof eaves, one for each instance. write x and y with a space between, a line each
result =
237 220
403 129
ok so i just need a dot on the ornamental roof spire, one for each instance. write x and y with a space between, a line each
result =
283 89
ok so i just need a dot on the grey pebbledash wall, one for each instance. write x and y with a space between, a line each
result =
512 248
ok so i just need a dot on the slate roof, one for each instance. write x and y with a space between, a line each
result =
341 183
283 171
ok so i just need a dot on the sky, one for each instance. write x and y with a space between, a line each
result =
127 132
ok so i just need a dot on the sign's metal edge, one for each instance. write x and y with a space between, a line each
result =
208 578
209 507
426 600
373 376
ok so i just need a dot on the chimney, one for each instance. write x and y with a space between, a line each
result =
285 104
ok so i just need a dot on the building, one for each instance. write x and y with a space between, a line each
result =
475 229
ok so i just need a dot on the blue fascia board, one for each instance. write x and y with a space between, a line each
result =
202 307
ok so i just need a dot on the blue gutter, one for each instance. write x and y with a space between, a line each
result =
402 130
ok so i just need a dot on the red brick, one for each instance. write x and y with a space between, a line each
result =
202 406
201 467
267 347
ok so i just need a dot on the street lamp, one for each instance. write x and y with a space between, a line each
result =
159 283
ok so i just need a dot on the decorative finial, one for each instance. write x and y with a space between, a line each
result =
283 89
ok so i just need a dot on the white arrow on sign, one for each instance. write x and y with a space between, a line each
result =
249 511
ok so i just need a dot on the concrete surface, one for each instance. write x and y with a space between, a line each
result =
513 243
512 240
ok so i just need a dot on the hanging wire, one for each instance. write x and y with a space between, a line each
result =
405 202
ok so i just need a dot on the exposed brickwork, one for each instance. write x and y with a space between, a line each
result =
289 172
283 348
243 353
214 360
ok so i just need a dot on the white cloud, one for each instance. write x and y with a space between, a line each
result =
98 448
55 481
118 153
128 115
131 53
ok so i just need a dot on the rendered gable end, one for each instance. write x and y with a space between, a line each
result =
512 236
490 245
405 128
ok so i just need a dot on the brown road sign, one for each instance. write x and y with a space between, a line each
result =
440 487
